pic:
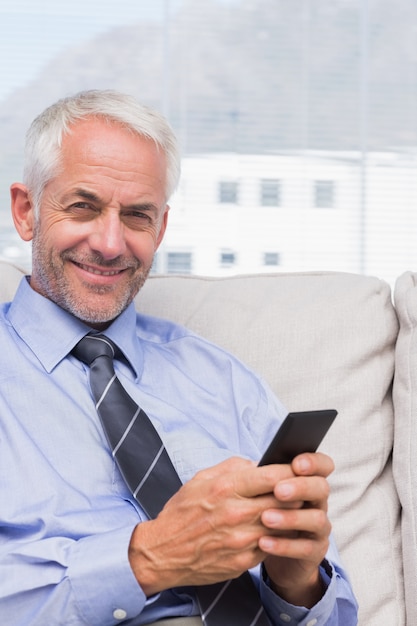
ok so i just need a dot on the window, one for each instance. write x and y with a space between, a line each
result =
270 192
324 194
179 262
271 258
227 258
228 192
156 263
342 133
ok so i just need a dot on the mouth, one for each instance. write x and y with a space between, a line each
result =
99 271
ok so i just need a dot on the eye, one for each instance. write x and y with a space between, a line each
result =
82 210
136 219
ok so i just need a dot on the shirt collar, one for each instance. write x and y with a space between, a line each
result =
51 332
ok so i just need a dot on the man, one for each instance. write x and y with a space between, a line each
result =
75 546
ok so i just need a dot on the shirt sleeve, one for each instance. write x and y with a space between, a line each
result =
105 589
88 581
337 607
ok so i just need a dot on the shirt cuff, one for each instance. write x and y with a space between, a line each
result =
113 594
285 614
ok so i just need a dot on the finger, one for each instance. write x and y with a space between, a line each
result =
262 480
316 463
233 464
311 490
214 500
250 481
244 478
312 523
301 547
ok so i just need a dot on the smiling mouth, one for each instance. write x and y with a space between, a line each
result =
98 272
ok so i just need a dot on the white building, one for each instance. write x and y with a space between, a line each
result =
301 211
293 212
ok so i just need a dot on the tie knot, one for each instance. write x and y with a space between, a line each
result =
92 346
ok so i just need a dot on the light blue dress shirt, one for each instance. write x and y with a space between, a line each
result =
66 515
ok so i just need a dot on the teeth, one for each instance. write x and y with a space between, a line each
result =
99 272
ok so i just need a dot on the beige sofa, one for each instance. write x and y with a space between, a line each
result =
325 340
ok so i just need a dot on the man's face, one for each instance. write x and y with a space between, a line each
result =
100 222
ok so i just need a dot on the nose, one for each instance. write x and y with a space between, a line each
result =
108 236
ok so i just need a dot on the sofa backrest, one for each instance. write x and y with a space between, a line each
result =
321 340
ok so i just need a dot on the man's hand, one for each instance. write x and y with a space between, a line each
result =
300 531
231 517
209 530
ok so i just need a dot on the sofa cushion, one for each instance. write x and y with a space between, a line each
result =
321 340
10 276
405 449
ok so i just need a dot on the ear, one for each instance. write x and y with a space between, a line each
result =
163 227
22 210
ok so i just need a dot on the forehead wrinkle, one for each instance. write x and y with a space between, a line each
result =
84 193
110 159
116 167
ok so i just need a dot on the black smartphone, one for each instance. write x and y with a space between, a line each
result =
299 432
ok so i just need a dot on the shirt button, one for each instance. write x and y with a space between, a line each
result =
285 618
312 622
119 614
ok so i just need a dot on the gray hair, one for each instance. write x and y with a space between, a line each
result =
45 135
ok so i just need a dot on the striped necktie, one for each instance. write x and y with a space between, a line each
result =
150 475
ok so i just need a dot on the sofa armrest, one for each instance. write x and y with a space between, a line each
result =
405 448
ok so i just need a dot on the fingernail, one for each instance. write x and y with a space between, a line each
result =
285 489
303 464
272 517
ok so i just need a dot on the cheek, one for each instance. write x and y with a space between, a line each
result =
143 246
58 235
143 243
